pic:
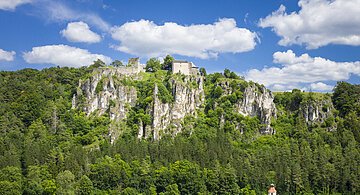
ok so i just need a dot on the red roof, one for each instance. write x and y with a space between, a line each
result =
272 190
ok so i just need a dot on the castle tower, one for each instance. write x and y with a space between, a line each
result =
134 62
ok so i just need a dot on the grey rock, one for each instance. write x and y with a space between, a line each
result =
258 102
316 111
186 101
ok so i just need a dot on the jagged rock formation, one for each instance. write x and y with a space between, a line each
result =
100 93
186 100
103 92
317 111
259 102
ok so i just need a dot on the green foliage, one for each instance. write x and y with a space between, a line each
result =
117 63
129 191
153 65
84 186
46 147
218 91
231 74
65 183
97 64
202 71
11 180
109 173
36 180
289 100
346 98
247 190
99 86
227 73
164 94
166 65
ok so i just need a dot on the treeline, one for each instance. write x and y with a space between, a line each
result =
48 148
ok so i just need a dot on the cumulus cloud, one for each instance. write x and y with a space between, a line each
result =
12 4
317 23
320 86
7 55
298 70
80 32
63 55
145 38
287 87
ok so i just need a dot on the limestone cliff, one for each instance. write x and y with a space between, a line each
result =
105 92
186 100
317 111
100 93
259 102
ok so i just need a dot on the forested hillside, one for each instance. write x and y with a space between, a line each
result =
48 145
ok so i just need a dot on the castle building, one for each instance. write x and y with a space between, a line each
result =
184 67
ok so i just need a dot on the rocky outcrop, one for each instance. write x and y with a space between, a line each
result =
187 98
316 111
103 93
100 93
258 101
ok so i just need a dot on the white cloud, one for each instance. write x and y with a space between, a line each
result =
320 86
12 4
288 87
7 55
59 12
63 55
145 38
318 23
80 32
299 70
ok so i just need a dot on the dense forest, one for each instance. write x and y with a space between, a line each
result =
46 147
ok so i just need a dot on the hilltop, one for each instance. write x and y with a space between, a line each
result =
158 129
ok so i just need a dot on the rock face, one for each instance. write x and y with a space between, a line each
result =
105 93
258 102
101 94
186 101
316 110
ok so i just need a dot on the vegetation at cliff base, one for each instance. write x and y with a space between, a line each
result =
48 147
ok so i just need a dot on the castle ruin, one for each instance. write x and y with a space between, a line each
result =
132 68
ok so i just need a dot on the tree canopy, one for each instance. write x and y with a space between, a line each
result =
46 147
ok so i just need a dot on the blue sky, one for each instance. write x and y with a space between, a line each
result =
282 44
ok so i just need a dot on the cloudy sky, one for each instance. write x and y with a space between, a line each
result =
283 44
